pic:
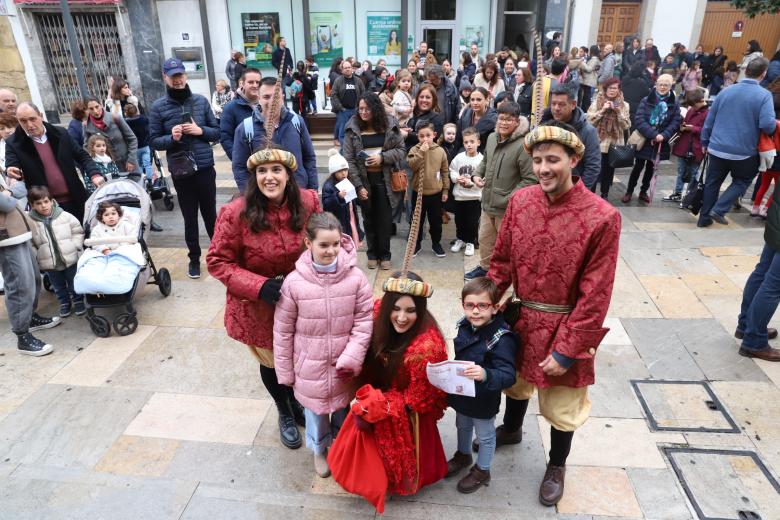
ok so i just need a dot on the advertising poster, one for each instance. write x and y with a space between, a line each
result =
383 30
260 32
472 34
326 40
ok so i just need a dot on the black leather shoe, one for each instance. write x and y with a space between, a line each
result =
288 431
155 227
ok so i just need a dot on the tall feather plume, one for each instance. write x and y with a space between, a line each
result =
272 118
539 81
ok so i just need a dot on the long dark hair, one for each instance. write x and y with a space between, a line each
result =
378 114
257 205
116 88
754 47
386 351
494 67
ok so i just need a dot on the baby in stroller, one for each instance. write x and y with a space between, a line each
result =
111 224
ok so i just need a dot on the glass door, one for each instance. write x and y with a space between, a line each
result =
439 41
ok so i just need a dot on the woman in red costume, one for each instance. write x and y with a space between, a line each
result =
390 442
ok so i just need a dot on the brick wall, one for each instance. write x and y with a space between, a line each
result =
11 66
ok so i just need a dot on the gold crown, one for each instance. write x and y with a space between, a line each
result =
272 155
408 286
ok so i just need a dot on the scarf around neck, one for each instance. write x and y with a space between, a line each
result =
99 123
658 114
179 94
608 126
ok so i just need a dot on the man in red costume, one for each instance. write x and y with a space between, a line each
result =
558 248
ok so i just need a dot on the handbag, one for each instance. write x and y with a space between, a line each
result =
182 164
621 156
694 198
637 139
398 179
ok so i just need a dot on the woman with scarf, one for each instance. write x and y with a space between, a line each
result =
257 240
609 113
390 442
657 119
113 127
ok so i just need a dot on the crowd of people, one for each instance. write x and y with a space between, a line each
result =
514 147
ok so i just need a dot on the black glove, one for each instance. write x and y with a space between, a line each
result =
271 290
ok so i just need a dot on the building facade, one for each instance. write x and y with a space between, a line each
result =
131 38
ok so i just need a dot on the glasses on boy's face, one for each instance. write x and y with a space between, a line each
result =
481 306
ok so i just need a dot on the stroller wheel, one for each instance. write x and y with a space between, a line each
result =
164 281
100 326
168 202
125 324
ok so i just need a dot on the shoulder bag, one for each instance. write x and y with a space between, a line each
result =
398 179
694 198
637 139
621 156
182 164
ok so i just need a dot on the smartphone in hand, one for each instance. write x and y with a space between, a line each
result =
186 117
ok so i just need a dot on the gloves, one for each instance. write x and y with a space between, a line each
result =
271 290
344 374
362 424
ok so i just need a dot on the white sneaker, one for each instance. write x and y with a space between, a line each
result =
469 250
457 246
321 467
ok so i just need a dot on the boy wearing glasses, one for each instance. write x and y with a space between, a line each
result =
484 338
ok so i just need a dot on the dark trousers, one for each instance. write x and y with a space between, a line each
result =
431 209
467 214
377 218
759 300
197 192
77 210
742 174
634 178
62 283
606 176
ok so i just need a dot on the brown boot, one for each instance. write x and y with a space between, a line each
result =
457 463
767 353
551 490
474 480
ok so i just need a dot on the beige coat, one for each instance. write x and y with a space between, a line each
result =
63 238
432 165
624 122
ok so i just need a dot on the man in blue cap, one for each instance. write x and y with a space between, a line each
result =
182 122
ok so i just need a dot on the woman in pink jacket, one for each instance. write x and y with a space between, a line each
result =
322 329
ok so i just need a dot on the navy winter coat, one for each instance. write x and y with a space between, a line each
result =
233 114
292 135
166 113
336 205
493 347
667 127
451 102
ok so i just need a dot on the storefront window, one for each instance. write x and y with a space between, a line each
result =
438 9
521 5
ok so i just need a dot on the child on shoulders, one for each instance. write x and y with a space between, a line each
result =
486 339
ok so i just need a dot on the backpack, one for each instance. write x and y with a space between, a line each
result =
249 128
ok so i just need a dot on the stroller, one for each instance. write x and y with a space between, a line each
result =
137 207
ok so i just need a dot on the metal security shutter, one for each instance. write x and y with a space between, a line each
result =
101 54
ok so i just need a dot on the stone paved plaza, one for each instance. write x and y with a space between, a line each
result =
173 422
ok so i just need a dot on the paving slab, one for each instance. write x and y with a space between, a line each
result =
617 333
145 456
668 261
611 396
192 303
67 426
673 297
602 442
662 351
658 494
191 361
599 491
629 297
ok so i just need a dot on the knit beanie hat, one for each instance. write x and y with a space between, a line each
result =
465 85
336 161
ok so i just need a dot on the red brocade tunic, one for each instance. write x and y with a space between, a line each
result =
562 253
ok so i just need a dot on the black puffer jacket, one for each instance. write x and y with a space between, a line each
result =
493 347
166 113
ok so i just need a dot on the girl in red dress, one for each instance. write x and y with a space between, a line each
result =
396 412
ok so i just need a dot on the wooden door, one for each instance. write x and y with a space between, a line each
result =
618 19
718 26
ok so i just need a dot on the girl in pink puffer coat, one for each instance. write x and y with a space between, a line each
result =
322 329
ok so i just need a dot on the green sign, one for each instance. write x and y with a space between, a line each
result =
383 30
260 32
326 40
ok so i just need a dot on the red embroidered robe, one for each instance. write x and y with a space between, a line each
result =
565 253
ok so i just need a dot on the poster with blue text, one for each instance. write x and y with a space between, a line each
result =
383 30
